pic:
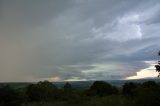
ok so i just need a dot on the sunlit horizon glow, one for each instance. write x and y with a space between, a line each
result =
145 73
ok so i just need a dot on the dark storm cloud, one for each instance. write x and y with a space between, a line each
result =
31 13
77 39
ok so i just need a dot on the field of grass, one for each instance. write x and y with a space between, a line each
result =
115 100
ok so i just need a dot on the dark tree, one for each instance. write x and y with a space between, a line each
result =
68 93
102 88
158 66
9 97
42 91
128 89
67 86
148 94
150 84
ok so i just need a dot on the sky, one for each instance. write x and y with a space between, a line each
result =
78 40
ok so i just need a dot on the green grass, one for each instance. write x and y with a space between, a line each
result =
95 101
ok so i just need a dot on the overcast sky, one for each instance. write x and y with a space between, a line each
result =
67 40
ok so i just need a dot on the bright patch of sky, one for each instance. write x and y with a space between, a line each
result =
145 73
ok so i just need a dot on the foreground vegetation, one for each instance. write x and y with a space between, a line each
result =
99 94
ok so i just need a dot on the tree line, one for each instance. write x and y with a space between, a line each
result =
141 94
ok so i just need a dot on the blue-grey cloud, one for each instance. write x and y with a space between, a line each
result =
77 39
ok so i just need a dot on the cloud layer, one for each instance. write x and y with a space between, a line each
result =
77 39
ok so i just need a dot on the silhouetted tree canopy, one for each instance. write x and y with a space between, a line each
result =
41 91
150 84
158 66
100 94
9 97
148 94
102 88
67 86
128 88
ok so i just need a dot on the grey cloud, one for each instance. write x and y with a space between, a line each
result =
66 39
31 13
